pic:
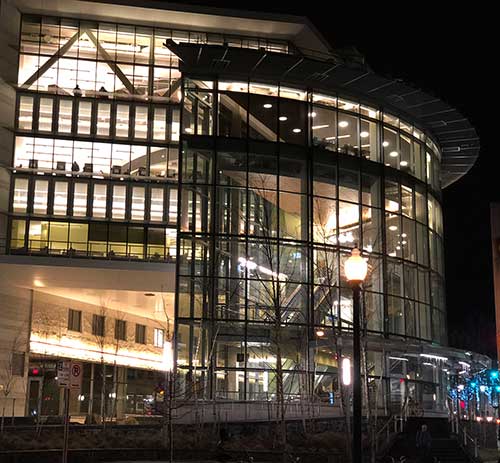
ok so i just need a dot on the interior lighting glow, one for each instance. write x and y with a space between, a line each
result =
393 227
434 357
393 154
343 124
364 134
385 144
403 163
296 130
322 126
267 105
283 118
346 371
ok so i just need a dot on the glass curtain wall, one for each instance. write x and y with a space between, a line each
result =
265 226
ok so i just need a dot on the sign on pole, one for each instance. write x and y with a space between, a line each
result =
76 375
63 372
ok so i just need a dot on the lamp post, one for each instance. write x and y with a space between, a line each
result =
355 269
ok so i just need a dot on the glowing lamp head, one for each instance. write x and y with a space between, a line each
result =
494 374
497 388
346 371
355 267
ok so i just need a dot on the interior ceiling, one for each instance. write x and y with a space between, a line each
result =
114 288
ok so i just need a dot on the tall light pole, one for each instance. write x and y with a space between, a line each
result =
355 269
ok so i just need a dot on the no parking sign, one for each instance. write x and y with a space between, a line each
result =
76 374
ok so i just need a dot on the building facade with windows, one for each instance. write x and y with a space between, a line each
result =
192 179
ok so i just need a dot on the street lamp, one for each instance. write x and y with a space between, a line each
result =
355 269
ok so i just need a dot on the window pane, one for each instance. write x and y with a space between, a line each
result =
84 117
348 134
103 119
137 212
45 115
369 140
324 127
78 237
172 206
141 122
122 120
80 200
25 121
99 202
41 196
60 198
65 116
160 124
17 235
20 195
119 201
156 212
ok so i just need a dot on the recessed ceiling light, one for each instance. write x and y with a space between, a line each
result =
403 163
297 130
393 154
312 114
364 134
322 126
283 118
393 227
385 143
268 105
343 124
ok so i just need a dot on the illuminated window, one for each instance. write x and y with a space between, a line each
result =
99 202
141 122
172 205
17 235
60 198
65 116
25 121
84 117
156 211
159 124
122 121
80 200
45 114
20 195
137 203
119 201
159 336
41 197
103 119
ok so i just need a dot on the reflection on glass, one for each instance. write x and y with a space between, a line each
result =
156 205
65 116
84 117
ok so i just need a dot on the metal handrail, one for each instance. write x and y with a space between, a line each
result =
465 439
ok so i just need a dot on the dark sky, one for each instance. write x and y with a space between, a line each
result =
451 55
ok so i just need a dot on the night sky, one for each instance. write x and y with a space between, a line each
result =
450 55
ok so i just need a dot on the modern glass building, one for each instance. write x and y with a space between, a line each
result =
197 179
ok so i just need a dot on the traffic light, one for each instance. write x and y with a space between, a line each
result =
35 371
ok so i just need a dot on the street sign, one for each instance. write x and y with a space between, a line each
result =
69 374
76 375
63 372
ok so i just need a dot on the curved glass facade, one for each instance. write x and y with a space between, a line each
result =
276 190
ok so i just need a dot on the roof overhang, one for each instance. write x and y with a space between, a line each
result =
296 29
454 134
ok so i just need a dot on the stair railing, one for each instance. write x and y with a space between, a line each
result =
465 438
394 424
